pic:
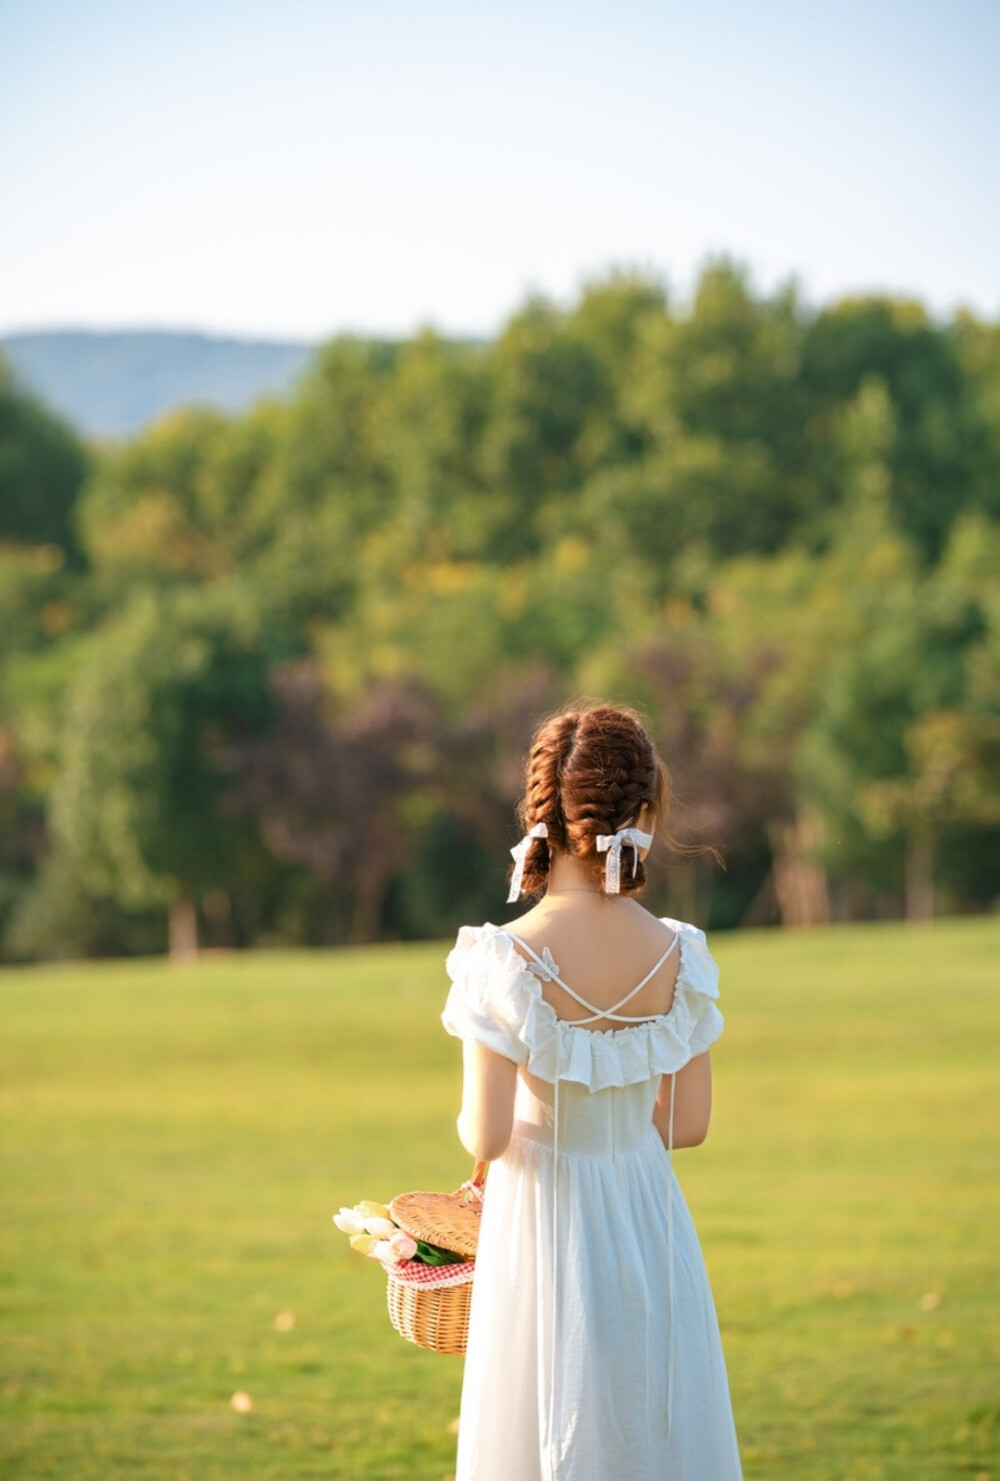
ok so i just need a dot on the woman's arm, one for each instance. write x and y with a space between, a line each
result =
490 1082
692 1103
487 1115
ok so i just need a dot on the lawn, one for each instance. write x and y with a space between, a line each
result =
174 1141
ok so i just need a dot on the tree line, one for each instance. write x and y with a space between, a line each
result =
267 678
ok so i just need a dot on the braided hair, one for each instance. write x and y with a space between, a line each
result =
589 772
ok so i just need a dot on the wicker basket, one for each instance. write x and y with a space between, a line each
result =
429 1304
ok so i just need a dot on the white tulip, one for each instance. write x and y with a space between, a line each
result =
381 1228
349 1222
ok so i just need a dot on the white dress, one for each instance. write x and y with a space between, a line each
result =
594 1351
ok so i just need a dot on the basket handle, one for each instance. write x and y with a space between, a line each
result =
473 1189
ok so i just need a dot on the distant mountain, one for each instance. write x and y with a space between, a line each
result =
109 385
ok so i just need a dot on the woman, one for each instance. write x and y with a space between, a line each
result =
594 1351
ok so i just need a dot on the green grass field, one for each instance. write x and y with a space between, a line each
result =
175 1140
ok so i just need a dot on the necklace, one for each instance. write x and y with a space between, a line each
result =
574 890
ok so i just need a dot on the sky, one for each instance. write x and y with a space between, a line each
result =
300 170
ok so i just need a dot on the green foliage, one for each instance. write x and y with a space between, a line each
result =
42 467
942 432
162 690
775 528
904 744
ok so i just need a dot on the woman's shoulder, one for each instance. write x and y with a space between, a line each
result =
699 971
471 939
487 1000
683 928
483 951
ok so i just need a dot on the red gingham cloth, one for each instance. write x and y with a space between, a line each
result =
416 1273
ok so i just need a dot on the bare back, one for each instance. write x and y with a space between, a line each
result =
602 948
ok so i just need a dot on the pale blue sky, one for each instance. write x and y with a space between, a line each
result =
303 169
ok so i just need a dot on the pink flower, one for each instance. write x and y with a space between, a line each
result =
402 1245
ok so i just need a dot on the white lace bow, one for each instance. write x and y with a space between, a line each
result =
519 854
611 844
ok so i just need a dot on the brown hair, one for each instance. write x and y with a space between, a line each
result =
589 772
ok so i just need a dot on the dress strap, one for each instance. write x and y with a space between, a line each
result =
549 970
649 975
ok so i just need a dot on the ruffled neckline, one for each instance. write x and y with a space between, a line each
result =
556 1048
534 985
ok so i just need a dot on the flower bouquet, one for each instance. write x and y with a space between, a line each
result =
426 1243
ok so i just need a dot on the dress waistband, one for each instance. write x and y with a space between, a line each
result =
615 1146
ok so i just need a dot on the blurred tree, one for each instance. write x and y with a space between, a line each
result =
39 598
545 382
941 435
699 706
181 502
42 468
427 427
165 688
904 742
344 792
42 602
712 451
775 528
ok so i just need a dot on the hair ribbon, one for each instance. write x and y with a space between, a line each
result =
611 844
519 854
